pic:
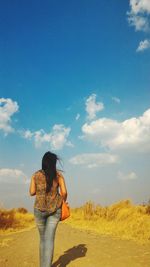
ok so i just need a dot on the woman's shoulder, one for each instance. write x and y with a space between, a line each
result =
59 172
38 172
59 175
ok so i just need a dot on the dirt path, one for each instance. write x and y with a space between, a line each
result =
73 248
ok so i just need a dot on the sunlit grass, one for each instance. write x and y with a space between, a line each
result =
122 219
15 219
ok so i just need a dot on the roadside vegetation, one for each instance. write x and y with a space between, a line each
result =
15 219
122 219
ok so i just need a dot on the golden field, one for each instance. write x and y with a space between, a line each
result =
122 219
15 219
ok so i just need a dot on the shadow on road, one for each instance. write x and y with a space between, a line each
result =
70 255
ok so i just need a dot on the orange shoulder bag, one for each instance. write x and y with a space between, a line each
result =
65 211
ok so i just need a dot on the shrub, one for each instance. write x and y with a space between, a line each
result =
88 210
7 219
148 209
114 209
22 210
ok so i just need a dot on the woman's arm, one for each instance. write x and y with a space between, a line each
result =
32 189
62 185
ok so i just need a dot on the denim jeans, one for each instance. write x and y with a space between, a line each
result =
46 224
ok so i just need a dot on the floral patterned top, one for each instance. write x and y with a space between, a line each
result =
50 201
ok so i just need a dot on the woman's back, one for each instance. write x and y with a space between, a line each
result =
47 201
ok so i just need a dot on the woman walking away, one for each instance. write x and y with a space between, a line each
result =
45 184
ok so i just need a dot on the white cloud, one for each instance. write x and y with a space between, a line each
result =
138 16
133 133
116 99
140 23
127 176
77 116
69 143
57 138
12 176
143 45
27 134
92 107
7 108
140 6
92 160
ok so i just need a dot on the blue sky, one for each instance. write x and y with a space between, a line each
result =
74 79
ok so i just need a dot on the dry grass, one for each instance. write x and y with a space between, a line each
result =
121 219
15 219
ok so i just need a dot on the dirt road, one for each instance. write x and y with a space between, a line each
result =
73 248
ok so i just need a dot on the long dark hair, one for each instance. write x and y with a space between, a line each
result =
49 162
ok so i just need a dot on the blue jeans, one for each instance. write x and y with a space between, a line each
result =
46 224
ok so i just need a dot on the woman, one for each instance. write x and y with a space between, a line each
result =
45 184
